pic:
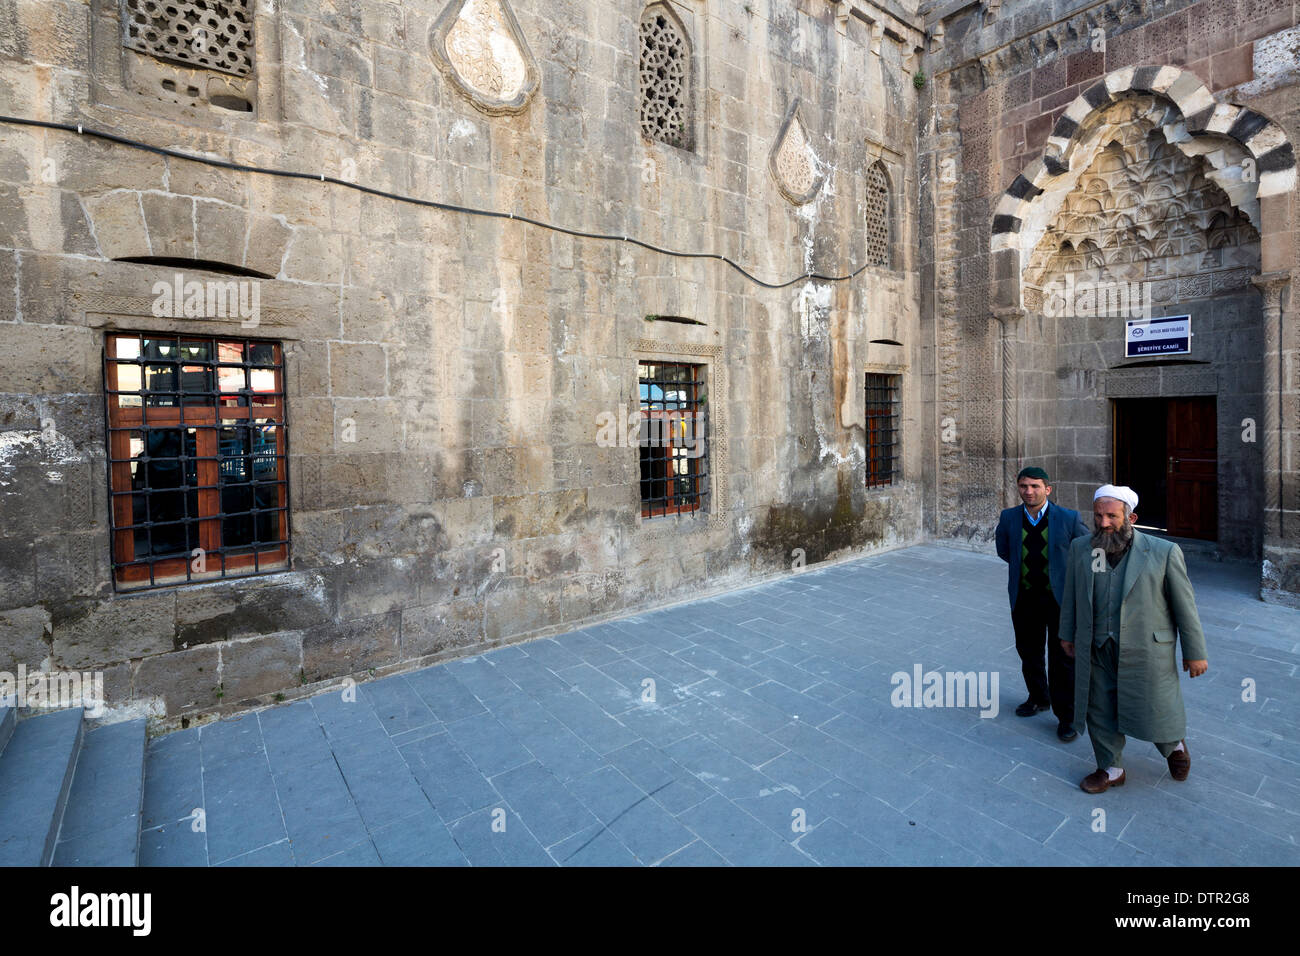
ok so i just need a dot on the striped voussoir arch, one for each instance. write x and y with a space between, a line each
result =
1263 139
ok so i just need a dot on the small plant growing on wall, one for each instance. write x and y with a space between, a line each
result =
919 79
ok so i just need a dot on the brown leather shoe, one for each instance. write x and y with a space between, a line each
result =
1100 782
1180 762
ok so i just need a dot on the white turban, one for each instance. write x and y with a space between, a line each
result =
1119 493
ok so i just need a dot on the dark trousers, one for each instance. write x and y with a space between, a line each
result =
1037 617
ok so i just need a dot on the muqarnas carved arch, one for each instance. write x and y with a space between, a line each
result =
1223 134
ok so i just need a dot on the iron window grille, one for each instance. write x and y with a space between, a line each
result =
197 458
673 444
883 404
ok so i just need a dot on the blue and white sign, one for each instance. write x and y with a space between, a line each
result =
1171 335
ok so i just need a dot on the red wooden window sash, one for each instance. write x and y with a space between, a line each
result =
206 420
654 509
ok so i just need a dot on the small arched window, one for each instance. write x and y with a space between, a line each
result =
665 78
878 216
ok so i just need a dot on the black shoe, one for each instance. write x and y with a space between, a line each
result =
1065 732
1029 708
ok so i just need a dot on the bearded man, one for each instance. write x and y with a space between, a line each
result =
1126 596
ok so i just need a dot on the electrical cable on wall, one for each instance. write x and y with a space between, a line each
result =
82 130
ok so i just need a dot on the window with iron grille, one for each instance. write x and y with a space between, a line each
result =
197 462
665 70
674 453
883 405
214 34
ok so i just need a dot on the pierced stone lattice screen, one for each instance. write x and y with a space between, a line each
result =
665 65
877 216
213 34
793 163
793 160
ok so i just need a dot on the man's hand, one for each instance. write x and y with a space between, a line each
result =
1196 668
1068 647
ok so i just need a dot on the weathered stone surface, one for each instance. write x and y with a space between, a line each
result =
260 665
24 634
170 221
332 650
185 680
118 221
219 232
17 572
240 607
521 609
125 627
358 371
268 239
46 359
431 629
365 590
72 565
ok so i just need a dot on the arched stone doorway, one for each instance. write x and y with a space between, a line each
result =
1149 202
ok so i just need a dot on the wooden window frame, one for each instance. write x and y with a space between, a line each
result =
130 572
697 465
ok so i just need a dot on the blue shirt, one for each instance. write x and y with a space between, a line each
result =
1032 520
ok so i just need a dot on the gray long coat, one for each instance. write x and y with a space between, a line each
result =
1158 601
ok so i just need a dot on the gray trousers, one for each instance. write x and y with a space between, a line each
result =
1103 708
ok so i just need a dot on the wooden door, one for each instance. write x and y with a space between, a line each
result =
1192 448
1139 455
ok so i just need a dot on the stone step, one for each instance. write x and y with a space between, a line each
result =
36 772
101 825
7 722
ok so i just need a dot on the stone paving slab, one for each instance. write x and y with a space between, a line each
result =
101 825
754 728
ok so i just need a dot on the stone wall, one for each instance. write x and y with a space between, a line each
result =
446 374
1016 95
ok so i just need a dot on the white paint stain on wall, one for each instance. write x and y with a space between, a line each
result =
44 447
461 129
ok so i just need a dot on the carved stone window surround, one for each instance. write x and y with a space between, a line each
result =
715 519
126 78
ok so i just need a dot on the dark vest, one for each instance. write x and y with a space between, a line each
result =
1033 555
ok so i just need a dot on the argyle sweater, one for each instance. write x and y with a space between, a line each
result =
1033 555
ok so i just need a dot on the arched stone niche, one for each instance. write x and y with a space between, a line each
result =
1249 158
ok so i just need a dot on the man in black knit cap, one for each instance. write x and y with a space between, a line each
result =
1034 540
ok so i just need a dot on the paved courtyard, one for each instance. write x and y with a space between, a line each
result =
756 727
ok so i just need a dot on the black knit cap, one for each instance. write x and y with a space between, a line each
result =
1034 472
